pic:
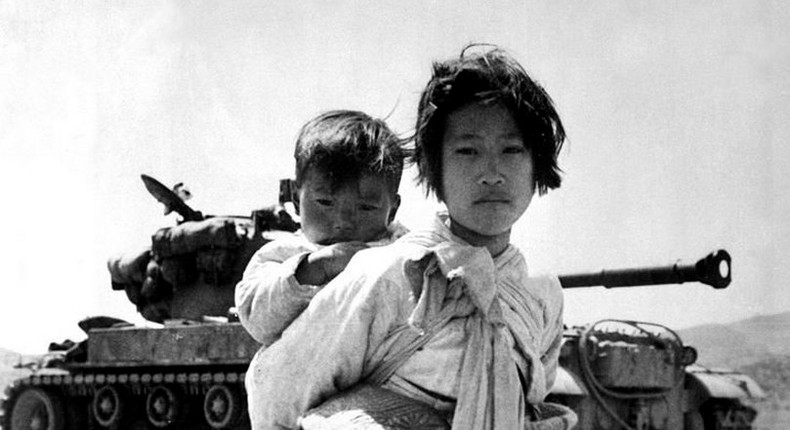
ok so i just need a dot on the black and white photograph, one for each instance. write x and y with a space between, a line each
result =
395 215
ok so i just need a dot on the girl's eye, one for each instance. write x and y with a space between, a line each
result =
368 207
515 150
465 151
324 202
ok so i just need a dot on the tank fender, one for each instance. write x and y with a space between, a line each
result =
567 383
725 384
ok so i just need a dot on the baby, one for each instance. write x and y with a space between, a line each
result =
348 169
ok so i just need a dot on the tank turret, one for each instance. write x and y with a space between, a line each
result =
190 269
639 375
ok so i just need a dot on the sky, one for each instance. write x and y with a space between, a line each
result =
676 114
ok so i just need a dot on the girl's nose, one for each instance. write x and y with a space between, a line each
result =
492 172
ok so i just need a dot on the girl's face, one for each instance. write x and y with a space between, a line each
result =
487 173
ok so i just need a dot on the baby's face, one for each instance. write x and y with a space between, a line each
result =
356 211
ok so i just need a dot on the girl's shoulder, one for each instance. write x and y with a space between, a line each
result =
387 258
544 287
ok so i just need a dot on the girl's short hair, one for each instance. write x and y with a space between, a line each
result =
345 145
489 77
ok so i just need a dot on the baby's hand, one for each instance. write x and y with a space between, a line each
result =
323 265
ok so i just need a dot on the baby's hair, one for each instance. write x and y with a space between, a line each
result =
489 77
346 145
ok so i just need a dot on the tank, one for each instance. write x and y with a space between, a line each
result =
619 374
183 371
186 370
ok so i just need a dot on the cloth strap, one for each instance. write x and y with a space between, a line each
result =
451 281
459 281
407 338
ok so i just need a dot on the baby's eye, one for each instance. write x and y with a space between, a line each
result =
515 149
368 207
324 202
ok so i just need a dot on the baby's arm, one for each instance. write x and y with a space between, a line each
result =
268 297
324 350
280 281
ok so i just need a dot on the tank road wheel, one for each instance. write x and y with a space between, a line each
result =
36 409
107 406
222 407
693 421
163 407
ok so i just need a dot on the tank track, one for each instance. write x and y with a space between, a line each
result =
126 400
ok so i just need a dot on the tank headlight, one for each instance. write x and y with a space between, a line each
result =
689 356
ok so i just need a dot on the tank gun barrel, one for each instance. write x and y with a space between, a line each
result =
713 270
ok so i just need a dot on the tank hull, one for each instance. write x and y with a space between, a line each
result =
192 377
617 380
182 345
181 377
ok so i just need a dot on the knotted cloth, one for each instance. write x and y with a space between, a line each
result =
461 281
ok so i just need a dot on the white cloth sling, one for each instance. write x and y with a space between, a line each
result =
460 281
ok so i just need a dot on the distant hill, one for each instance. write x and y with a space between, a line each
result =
758 347
740 343
8 373
8 358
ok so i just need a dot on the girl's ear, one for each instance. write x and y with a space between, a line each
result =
295 198
394 208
